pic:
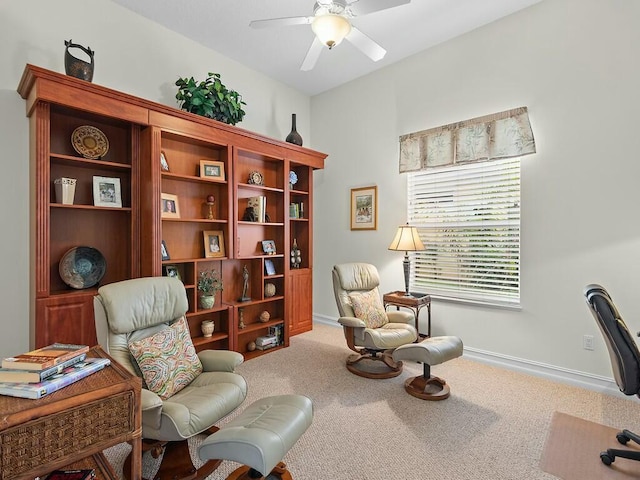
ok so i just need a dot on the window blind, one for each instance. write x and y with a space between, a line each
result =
468 217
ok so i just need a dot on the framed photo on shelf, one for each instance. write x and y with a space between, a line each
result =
164 164
164 251
269 268
172 271
269 247
213 243
170 206
106 192
364 208
212 169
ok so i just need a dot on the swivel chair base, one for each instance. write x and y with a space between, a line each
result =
427 387
280 472
357 364
609 456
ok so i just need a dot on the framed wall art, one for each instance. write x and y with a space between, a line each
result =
364 208
212 169
106 192
213 243
169 205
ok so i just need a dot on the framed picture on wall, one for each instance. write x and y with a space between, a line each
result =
364 208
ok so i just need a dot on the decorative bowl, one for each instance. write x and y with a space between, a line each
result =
82 267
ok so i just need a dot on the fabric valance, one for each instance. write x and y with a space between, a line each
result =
500 135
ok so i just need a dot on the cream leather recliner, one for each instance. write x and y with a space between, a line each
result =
132 310
355 286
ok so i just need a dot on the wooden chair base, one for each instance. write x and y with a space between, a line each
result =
176 461
432 388
381 364
279 472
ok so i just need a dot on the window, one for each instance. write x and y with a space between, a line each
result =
468 217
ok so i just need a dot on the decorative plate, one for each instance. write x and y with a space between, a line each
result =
82 267
90 142
255 178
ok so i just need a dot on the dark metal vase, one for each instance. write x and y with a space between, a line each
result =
75 67
294 137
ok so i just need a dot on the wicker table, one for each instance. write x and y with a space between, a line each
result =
71 427
413 302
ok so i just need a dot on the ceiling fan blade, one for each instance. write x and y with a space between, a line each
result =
367 46
281 22
312 55
362 7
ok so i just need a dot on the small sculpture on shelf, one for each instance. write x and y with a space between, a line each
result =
269 289
211 200
241 324
245 285
296 255
265 316
207 327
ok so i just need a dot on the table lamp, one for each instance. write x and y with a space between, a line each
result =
407 240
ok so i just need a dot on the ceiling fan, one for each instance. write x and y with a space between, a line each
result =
331 23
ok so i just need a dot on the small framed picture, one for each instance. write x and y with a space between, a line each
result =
106 192
164 165
212 169
269 268
172 271
170 207
269 247
364 208
213 243
164 251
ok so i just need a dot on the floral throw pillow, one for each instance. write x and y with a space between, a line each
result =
368 307
167 359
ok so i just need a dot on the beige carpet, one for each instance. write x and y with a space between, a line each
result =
493 426
572 451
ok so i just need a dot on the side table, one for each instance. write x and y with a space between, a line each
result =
415 302
71 427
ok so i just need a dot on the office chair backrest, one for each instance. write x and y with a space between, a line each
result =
623 351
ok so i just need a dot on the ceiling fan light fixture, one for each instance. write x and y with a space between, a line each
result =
331 29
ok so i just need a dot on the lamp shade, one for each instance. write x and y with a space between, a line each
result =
331 29
407 239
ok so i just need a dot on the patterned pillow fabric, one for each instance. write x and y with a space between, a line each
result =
368 307
168 359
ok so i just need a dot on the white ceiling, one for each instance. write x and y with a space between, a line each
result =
223 26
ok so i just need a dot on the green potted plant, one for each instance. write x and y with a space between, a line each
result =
210 98
209 283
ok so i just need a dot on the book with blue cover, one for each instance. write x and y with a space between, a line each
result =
34 376
68 376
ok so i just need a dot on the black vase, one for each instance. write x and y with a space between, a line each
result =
294 137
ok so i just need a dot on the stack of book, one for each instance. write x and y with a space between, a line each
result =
48 369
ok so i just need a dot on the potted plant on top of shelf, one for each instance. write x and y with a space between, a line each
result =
210 98
209 283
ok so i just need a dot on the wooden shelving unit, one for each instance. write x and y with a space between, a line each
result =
130 237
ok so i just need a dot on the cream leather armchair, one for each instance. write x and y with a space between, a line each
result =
370 331
133 310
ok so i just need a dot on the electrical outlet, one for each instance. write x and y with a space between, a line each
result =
587 342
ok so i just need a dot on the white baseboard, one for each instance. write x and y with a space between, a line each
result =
538 369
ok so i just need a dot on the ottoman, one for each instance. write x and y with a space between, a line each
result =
261 436
429 352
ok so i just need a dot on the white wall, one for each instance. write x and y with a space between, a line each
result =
133 55
574 64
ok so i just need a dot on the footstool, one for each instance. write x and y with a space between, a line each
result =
429 352
261 436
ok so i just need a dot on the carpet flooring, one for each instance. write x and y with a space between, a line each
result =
493 427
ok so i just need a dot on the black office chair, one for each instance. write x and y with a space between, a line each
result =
625 360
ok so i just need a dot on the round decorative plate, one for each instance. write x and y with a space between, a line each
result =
90 142
256 178
82 267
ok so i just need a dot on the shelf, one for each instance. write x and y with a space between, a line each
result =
190 178
195 220
253 327
257 353
216 337
257 301
88 163
263 188
298 192
90 207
